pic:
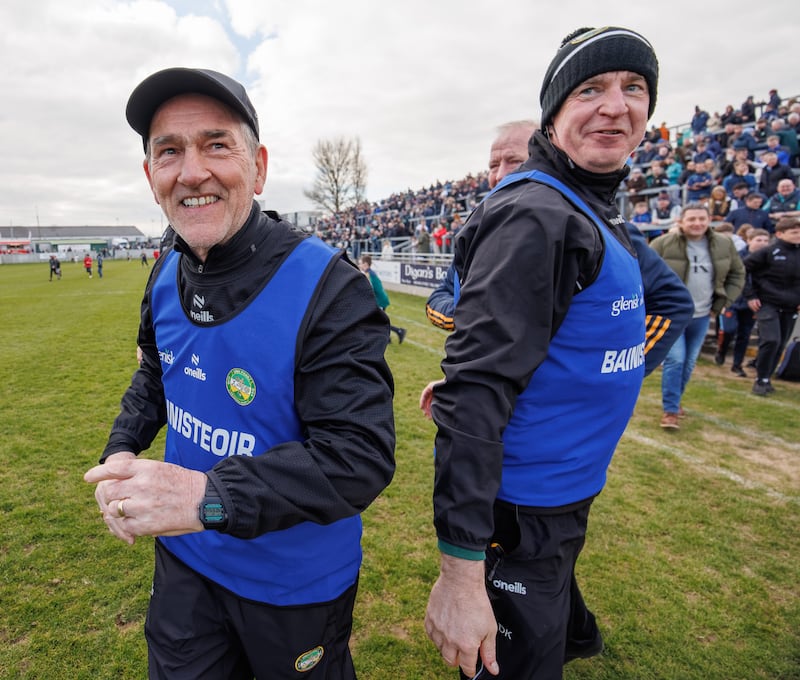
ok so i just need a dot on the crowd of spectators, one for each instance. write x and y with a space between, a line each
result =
742 163
426 220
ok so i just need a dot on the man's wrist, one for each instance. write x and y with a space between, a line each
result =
461 553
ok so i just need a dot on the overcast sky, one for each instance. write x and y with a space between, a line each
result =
423 83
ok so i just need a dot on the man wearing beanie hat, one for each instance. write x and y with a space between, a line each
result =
542 370
263 354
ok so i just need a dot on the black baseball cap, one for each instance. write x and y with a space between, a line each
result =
156 89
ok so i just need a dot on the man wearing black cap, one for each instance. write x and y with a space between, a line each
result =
543 368
262 352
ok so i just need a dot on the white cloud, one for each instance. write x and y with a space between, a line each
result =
423 84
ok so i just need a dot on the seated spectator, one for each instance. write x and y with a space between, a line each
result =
719 204
731 115
741 173
785 202
726 164
774 144
699 184
711 167
636 183
726 160
646 153
713 145
751 213
761 130
739 191
685 151
665 215
744 140
656 178
793 121
674 168
702 152
770 111
641 216
787 136
653 134
688 170
772 173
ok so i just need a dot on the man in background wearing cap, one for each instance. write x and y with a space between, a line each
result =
543 368
262 352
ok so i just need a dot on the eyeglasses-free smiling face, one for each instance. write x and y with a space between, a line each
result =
603 120
202 169
694 223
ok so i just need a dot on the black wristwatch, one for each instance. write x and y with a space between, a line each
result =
212 513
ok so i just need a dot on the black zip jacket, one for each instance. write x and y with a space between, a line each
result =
521 257
774 275
343 387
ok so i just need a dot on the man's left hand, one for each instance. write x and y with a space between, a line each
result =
140 497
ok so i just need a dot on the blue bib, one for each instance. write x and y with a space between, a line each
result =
229 389
568 420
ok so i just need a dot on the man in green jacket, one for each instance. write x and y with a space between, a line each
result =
708 264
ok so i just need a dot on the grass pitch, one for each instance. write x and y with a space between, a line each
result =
692 561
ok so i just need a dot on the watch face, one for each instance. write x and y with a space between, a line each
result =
213 513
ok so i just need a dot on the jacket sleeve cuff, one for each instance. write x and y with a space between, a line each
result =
214 485
461 553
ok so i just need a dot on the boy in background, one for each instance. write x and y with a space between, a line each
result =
773 294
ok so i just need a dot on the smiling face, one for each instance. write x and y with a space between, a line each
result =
203 170
602 120
785 187
694 223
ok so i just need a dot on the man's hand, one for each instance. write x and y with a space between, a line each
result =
426 398
459 619
147 497
754 305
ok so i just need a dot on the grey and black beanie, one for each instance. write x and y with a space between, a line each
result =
588 52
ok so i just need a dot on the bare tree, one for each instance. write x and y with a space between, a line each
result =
341 178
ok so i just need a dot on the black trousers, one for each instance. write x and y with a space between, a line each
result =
533 591
196 629
774 328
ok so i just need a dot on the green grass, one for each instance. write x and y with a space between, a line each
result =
692 562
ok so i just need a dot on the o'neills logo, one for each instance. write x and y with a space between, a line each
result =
307 661
241 386
515 587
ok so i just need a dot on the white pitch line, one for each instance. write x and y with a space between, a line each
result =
735 427
712 469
